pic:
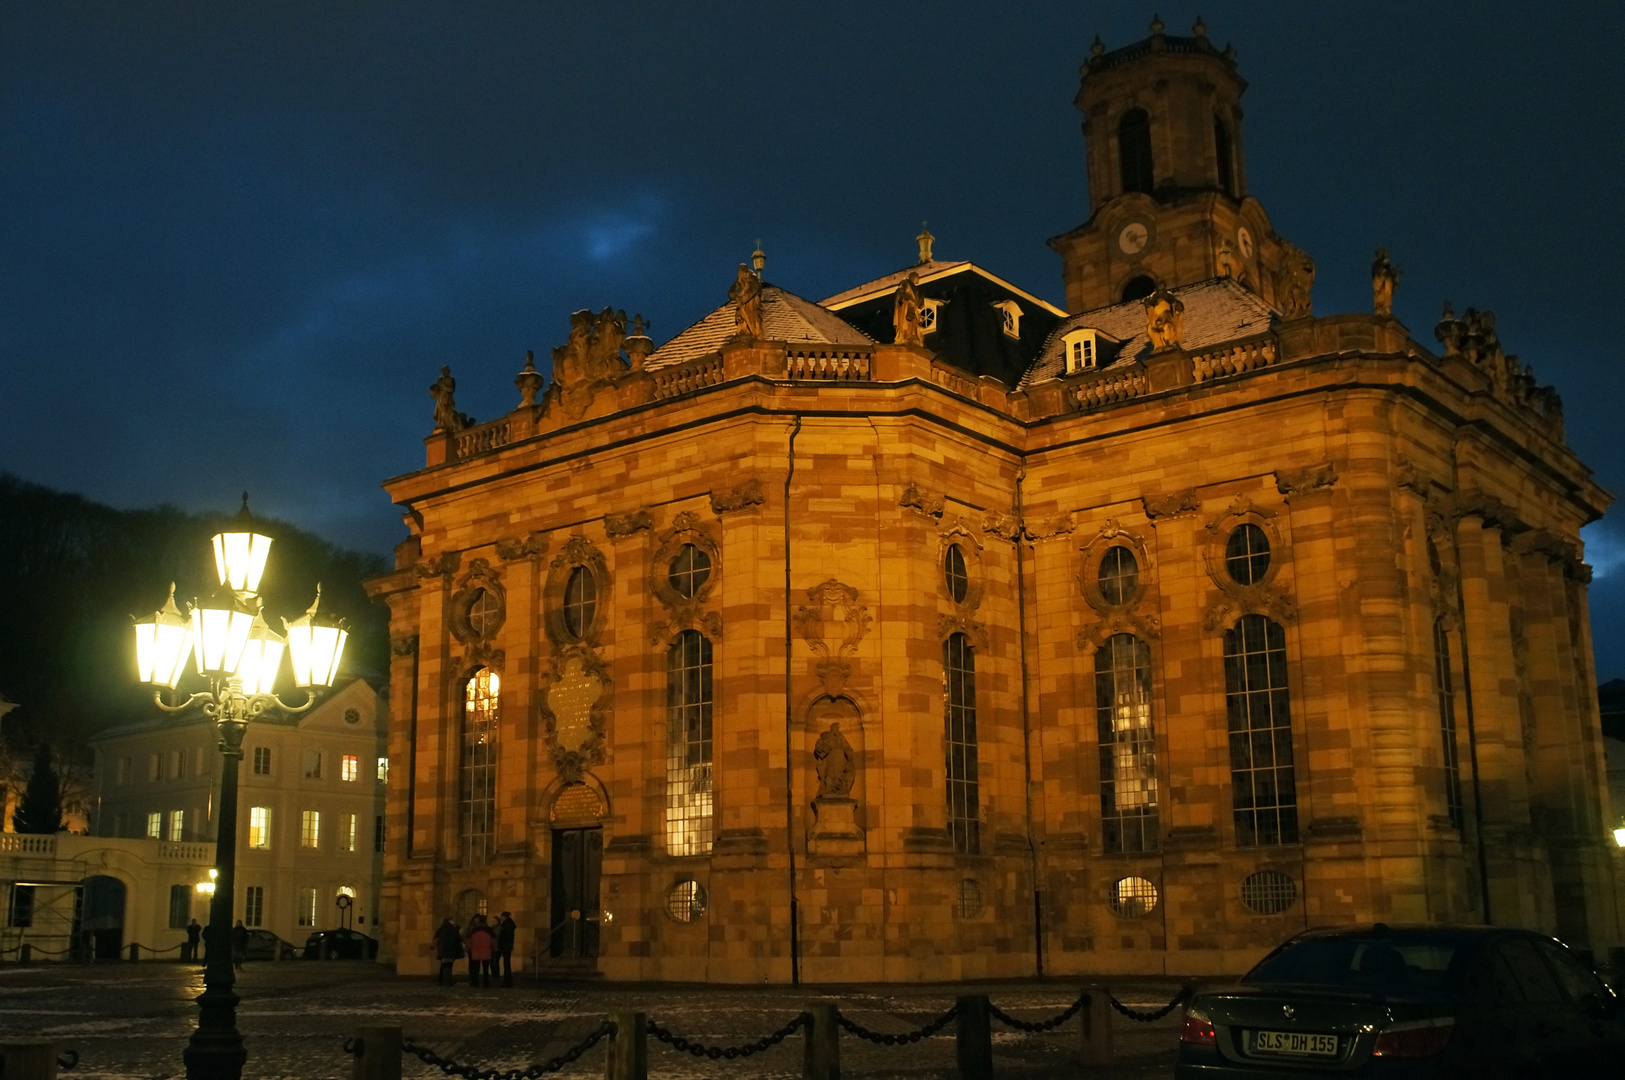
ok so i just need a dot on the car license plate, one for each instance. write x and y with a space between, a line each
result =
1295 1042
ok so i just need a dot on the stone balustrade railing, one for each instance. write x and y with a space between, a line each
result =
1109 389
1247 356
28 844
481 438
689 375
181 852
828 365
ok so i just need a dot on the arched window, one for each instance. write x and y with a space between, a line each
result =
1447 722
1134 150
1221 151
688 745
1138 288
964 801
1263 789
477 804
1128 758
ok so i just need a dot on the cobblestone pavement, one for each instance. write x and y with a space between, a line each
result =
131 1021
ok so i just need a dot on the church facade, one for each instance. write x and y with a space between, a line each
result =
932 631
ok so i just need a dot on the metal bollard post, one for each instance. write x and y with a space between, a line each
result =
25 953
821 1053
28 1059
1097 1029
378 1053
628 1054
135 951
975 1042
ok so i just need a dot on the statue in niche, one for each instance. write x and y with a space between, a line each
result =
836 768
1294 281
905 316
747 296
1164 320
446 416
1229 264
1384 276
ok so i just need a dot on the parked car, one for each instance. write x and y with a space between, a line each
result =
1408 1001
264 945
340 945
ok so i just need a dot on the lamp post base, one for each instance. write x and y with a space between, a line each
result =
215 1051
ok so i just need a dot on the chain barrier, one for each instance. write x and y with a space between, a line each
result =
883 1039
1037 1026
1152 1015
685 1046
68 1060
474 1072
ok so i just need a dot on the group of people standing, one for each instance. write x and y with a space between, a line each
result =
486 947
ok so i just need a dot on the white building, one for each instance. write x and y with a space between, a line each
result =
309 810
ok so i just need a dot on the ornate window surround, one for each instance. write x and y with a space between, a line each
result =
1265 596
577 551
686 612
480 576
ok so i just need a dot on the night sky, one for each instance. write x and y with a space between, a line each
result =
237 241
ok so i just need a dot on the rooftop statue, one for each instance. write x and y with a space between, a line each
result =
1293 281
446 416
905 318
589 359
747 295
1384 276
1164 320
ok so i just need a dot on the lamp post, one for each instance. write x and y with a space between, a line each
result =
239 655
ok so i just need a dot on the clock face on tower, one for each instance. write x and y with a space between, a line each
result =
1134 237
1244 241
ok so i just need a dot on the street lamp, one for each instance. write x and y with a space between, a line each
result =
236 651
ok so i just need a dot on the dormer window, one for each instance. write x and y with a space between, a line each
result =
1011 312
1081 349
928 315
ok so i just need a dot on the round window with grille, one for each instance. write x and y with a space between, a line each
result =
968 901
689 571
1268 892
1247 554
685 900
1119 575
1132 897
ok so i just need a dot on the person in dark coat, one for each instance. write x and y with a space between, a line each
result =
194 937
239 944
448 947
505 933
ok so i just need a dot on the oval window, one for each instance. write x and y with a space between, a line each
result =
1268 892
953 570
1247 554
1119 575
484 613
580 602
1132 897
689 571
685 900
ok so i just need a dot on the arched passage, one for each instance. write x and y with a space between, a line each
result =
101 917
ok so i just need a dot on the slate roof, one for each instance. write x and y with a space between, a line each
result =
785 317
1216 311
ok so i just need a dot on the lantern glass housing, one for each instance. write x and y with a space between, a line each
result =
262 658
315 646
162 644
220 629
239 558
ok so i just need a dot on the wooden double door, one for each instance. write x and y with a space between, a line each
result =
578 856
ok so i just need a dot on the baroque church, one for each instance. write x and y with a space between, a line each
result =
932 631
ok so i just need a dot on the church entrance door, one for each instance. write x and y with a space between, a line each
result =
578 855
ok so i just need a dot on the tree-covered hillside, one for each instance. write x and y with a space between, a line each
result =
73 572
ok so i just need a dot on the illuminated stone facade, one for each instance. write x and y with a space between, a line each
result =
824 653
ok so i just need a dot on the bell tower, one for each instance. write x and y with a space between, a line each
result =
1167 177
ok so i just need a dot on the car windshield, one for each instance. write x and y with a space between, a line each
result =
1387 963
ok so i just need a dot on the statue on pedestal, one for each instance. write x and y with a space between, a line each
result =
1164 319
747 295
446 416
836 769
905 317
1384 276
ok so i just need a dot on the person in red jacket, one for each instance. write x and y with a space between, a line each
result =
482 951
